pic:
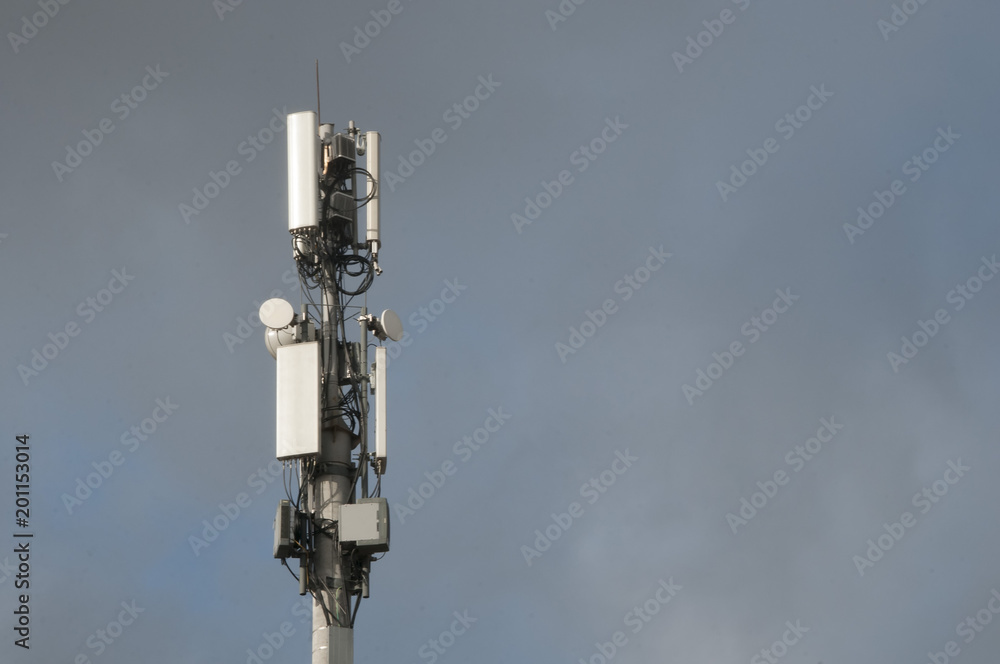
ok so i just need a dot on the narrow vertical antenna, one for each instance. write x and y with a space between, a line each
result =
319 118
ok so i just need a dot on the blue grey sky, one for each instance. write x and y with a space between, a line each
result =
748 422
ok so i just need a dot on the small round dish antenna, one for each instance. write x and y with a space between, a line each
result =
390 325
277 313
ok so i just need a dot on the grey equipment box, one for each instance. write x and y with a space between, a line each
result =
284 530
365 525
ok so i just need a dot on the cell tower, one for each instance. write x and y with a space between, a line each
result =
330 522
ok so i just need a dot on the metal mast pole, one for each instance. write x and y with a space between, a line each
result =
332 635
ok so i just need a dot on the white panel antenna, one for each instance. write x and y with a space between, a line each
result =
380 411
298 416
372 185
303 171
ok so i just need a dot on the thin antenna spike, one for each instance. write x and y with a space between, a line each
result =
319 118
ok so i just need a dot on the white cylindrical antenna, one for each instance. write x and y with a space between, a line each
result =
372 148
303 171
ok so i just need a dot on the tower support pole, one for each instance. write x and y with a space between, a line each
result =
332 634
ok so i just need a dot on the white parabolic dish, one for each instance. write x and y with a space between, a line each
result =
277 313
391 324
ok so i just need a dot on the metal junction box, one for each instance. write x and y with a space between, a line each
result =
365 525
284 530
